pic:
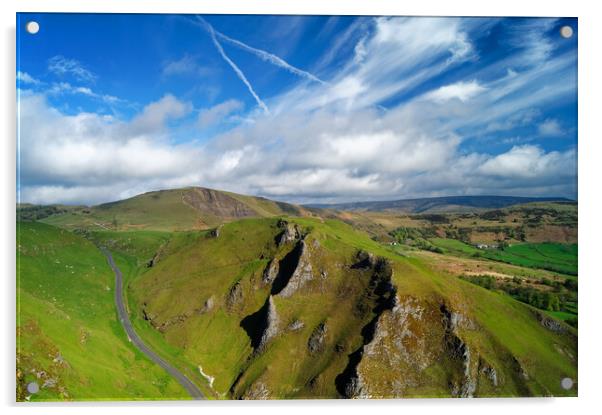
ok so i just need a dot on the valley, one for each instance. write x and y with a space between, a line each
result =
254 299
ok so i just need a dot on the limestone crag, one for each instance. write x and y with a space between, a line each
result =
271 324
302 273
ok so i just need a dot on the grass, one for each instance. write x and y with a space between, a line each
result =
203 267
164 210
556 257
550 256
161 210
69 340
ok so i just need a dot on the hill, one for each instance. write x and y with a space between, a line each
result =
304 308
174 209
68 338
439 204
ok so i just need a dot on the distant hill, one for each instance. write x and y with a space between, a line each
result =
440 204
174 209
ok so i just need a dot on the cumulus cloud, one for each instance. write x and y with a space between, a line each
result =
64 156
59 65
531 162
460 90
217 113
156 114
322 142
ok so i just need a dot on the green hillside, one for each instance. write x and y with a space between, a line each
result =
309 309
68 338
171 210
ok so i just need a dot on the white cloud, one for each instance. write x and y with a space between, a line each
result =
460 90
59 65
217 113
324 142
25 78
550 128
156 114
91 158
529 162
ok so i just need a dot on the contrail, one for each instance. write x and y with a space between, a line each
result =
266 56
236 69
271 58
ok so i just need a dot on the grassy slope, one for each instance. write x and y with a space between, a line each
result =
205 267
132 252
68 333
163 210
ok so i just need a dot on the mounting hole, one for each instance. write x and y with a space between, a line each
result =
566 31
566 383
32 27
33 387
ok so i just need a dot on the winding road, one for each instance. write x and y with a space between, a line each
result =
190 387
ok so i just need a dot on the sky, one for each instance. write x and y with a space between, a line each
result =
305 109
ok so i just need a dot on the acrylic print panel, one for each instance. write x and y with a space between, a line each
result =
282 207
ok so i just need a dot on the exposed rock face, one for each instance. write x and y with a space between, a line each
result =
489 372
459 351
289 234
351 383
235 296
295 325
408 338
257 391
219 204
207 306
271 326
270 272
302 273
549 323
317 339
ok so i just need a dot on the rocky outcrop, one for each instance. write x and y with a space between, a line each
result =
351 383
271 324
408 336
549 323
317 339
295 325
290 233
459 351
303 271
235 296
257 391
262 326
270 272
207 306
489 372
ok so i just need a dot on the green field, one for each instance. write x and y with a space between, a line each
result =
68 338
556 257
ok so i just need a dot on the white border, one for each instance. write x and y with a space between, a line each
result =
590 206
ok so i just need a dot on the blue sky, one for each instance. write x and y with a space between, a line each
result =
296 108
